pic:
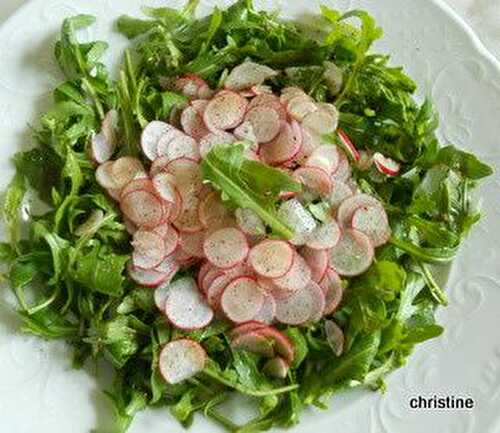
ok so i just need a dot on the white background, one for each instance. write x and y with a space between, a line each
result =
482 15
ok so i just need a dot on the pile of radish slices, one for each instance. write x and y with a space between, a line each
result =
245 276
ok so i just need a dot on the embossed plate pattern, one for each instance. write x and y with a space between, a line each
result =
38 388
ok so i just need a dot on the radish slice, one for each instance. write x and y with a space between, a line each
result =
353 255
255 343
343 172
137 185
163 186
104 176
159 164
271 258
151 136
267 312
143 208
160 296
265 123
169 266
202 272
284 147
249 326
330 108
249 222
334 78
325 236
297 277
288 93
215 139
226 247
193 124
225 111
373 222
325 157
242 299
317 260
101 149
245 132
321 122
300 106
315 179
212 212
170 237
199 105
248 74
331 284
129 226
348 145
149 249
188 220
185 307
181 359
340 192
126 169
297 308
210 277
318 305
309 143
299 219
187 175
176 144
215 290
335 337
282 344
192 243
147 277
269 101
269 287
386 165
365 160
276 367
349 206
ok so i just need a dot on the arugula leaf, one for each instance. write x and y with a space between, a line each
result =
463 162
12 207
248 184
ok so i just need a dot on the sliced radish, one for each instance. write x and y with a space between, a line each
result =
319 302
276 367
325 236
249 326
176 144
255 343
104 176
373 222
309 143
330 108
137 185
210 277
349 206
297 308
282 344
151 136
365 160
248 74
325 157
149 249
215 139
335 337
226 247
242 299
265 121
159 164
181 359
353 255
331 284
161 295
225 111
143 208
245 132
317 260
185 307
193 86
386 165
276 292
199 105
187 175
250 222
114 193
215 290
284 147
129 226
288 93
192 243
300 106
146 277
101 149
267 312
270 101
298 218
343 172
163 186
348 145
315 179
334 78
126 169
184 259
320 122
169 266
340 192
297 277
188 220
271 258
193 124
202 272
212 212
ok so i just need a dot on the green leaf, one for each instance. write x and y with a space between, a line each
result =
12 207
465 163
249 184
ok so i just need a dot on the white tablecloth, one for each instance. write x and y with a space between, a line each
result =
482 15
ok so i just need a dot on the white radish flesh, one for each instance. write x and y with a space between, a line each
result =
300 106
176 145
270 101
331 284
160 296
318 305
188 220
249 222
242 299
169 266
325 157
126 169
215 139
210 277
226 247
248 74
143 208
192 243
353 254
151 136
249 326
340 192
386 165
276 367
265 121
267 312
225 111
334 78
185 306
320 122
335 337
193 124
245 132
297 277
271 258
181 359
164 187
104 176
298 218
187 175
284 147
254 343
317 260
343 172
315 179
349 146
212 212
349 206
297 308
373 222
147 277
325 236
149 249
101 149
282 344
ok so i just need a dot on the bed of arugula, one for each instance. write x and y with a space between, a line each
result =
70 280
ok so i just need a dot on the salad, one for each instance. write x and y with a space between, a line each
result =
252 206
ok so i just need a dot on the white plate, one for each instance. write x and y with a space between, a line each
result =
40 392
